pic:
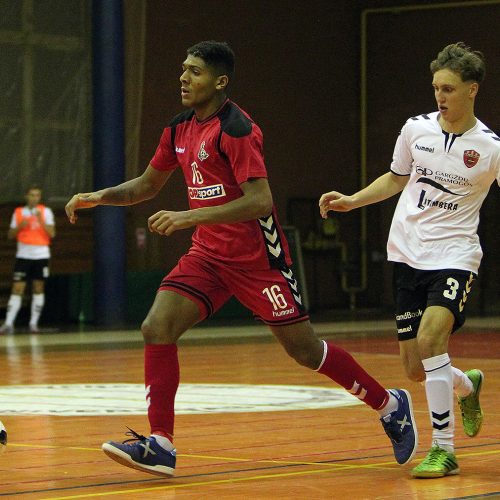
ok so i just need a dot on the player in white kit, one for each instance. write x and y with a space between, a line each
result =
444 164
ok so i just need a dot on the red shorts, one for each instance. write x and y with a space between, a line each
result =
273 295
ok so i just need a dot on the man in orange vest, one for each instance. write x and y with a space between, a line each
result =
33 227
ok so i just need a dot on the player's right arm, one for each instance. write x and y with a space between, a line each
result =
380 189
142 188
15 227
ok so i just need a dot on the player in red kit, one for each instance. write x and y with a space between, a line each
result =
238 249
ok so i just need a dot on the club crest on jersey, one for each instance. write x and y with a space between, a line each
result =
471 157
202 154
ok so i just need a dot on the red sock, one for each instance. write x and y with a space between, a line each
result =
161 369
341 367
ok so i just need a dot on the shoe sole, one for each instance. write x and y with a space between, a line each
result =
432 475
482 414
414 425
124 459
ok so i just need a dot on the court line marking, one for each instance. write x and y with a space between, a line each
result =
337 468
340 467
329 467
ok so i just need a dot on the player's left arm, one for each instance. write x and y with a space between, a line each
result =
257 201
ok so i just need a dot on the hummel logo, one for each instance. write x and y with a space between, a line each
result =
468 287
267 223
293 285
179 150
424 148
271 235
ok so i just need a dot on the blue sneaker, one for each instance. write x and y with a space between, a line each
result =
401 428
145 455
3 438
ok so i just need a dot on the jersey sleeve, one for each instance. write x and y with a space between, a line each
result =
13 222
165 157
245 154
402 158
497 168
49 217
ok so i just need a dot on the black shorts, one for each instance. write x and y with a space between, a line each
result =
28 269
415 290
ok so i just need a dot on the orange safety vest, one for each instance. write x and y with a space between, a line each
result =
33 233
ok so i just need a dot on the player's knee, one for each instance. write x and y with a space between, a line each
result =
18 288
430 344
415 373
156 332
304 355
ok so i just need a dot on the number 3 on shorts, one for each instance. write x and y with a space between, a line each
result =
451 293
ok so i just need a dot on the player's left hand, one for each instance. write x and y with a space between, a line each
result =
165 222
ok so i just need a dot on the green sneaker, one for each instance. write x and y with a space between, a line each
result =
437 463
472 415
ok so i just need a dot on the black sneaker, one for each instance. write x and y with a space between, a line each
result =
145 455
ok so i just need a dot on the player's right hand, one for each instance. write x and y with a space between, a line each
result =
81 200
334 201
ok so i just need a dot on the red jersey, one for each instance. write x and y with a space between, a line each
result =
216 156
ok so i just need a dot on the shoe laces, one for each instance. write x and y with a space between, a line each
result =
435 455
393 431
136 436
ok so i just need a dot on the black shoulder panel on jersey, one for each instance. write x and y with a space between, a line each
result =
233 122
185 116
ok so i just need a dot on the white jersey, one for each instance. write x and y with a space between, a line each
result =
33 252
437 215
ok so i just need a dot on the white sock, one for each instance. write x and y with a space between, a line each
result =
37 302
462 384
13 307
390 407
163 442
439 390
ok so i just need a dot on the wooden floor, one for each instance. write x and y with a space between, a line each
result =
308 454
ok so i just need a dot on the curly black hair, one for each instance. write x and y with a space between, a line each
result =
217 55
